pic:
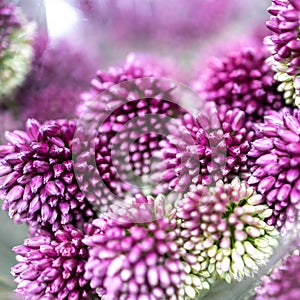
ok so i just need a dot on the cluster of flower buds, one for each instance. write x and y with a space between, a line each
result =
81 185
284 46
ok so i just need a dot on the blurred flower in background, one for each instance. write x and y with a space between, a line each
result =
15 49
60 72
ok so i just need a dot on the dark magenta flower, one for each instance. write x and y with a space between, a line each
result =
222 229
135 260
275 173
284 46
241 80
37 178
51 266
283 283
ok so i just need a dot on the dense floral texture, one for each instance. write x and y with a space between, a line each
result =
122 119
283 282
224 229
284 46
52 266
37 182
276 170
241 80
135 260
60 72
199 152
15 50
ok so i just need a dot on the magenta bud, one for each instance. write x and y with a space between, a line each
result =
266 184
267 159
32 128
15 193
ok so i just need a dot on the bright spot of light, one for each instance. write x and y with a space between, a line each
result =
61 17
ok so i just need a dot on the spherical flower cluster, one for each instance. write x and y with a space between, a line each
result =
284 46
224 228
122 119
15 50
198 152
134 260
51 266
60 72
283 282
276 170
37 178
241 80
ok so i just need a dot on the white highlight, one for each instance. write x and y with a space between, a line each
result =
61 17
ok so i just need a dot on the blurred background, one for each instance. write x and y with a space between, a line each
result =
77 37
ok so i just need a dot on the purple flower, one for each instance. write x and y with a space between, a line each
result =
51 266
198 152
171 21
134 260
284 46
222 229
37 176
241 80
283 282
60 72
122 119
275 173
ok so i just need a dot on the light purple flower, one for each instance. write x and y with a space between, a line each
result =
284 46
122 118
60 72
241 80
283 283
173 21
134 260
275 173
51 266
37 178
222 228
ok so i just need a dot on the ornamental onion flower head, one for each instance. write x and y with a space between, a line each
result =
51 266
60 72
224 228
134 260
283 282
121 119
37 179
275 173
16 37
198 152
241 80
284 46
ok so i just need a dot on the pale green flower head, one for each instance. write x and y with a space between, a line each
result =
224 228
15 62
